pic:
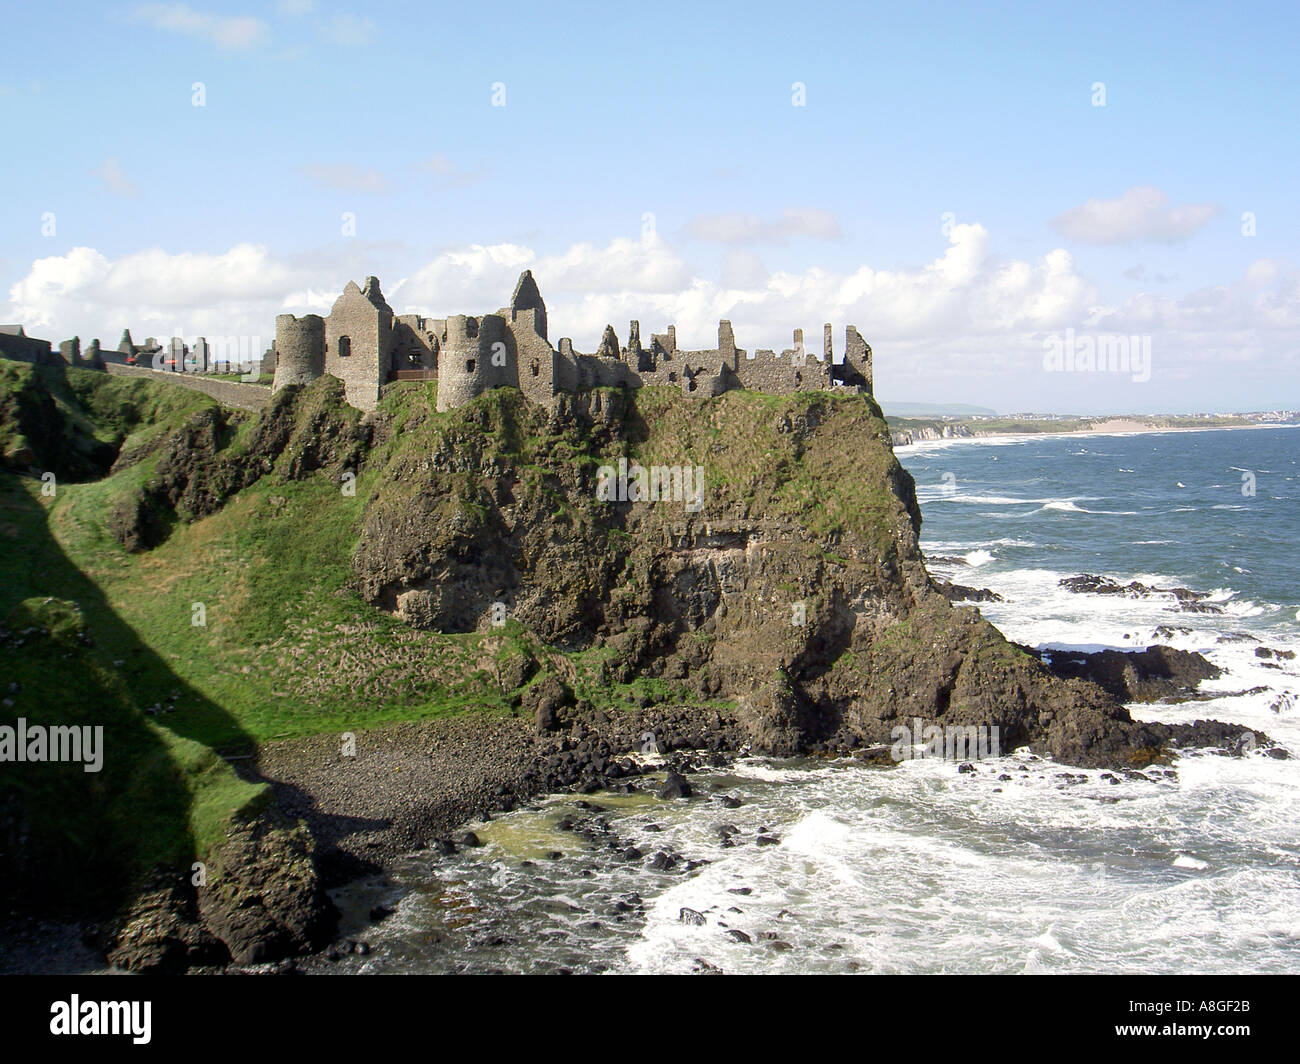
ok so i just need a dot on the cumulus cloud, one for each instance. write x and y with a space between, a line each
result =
1141 213
962 291
225 31
154 292
735 228
966 320
344 177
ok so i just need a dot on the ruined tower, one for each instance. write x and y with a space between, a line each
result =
475 354
300 349
359 342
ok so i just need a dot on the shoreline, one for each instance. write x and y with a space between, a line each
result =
413 788
410 784
1099 430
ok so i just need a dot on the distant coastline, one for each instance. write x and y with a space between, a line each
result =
908 431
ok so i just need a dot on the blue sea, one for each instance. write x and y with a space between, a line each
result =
1021 866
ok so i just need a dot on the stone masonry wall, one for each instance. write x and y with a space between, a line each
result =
228 393
359 343
300 349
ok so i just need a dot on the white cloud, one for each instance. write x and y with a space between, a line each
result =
110 172
735 228
963 292
225 31
967 320
295 7
345 177
1141 213
154 292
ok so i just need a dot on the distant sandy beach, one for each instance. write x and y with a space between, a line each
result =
1111 427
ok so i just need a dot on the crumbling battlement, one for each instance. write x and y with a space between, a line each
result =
365 345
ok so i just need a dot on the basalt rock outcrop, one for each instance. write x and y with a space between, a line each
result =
1156 674
262 900
197 469
1185 599
795 590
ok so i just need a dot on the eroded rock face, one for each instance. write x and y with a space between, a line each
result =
263 898
262 901
1158 673
196 472
160 932
796 589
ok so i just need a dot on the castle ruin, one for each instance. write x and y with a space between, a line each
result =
364 344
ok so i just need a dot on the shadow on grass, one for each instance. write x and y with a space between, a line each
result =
74 842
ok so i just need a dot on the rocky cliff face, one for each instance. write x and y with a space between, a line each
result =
777 596
795 590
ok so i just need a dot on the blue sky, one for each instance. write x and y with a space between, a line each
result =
650 163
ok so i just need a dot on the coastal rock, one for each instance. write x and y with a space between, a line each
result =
1156 674
961 593
546 700
263 898
1185 599
159 931
674 786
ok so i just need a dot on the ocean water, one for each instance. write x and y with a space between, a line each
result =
1021 866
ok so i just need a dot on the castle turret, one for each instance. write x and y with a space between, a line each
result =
476 354
300 349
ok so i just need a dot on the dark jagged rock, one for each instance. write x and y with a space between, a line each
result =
961 593
675 786
262 901
263 898
1156 674
546 701
1185 599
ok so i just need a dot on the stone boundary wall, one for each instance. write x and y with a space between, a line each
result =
228 393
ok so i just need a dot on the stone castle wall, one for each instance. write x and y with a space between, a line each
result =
228 393
17 345
476 354
359 343
362 342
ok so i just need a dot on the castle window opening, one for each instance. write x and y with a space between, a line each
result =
536 368
469 365
345 346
